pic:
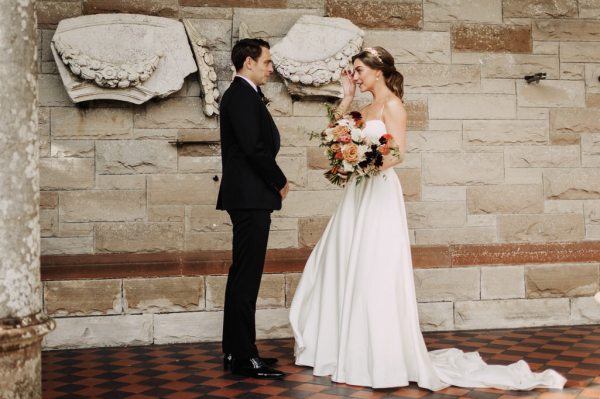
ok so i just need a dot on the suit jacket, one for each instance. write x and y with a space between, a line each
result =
249 143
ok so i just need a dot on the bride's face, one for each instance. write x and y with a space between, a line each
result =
364 76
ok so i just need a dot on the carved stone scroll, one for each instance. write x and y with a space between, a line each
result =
312 56
206 70
122 57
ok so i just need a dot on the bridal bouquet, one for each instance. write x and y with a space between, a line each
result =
351 154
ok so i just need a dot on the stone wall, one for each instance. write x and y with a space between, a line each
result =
490 159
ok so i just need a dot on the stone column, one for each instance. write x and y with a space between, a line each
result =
22 322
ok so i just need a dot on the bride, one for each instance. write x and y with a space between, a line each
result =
354 313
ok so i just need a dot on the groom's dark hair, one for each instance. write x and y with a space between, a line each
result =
245 48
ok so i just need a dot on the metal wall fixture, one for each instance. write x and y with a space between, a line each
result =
535 78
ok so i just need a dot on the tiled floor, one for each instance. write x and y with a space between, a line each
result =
195 371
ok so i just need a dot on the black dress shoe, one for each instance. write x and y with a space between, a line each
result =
227 358
254 367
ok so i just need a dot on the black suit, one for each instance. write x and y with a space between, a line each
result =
249 192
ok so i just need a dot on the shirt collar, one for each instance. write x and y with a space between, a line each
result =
249 82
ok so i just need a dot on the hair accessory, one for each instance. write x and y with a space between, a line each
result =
373 52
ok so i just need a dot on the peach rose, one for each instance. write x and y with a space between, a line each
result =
340 131
384 149
351 153
335 147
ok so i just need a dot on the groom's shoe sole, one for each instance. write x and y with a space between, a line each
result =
227 361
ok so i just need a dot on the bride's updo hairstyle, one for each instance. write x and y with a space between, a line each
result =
379 58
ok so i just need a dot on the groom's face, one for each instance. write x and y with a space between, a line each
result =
262 68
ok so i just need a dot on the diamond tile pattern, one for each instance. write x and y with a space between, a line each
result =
189 371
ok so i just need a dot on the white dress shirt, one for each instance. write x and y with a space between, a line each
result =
249 81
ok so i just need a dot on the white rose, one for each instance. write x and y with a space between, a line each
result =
356 134
348 167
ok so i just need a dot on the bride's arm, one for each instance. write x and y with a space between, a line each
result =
394 117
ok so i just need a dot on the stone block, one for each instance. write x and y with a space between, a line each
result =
422 215
48 222
99 331
82 297
51 91
187 327
518 65
539 8
217 32
115 157
316 158
166 214
102 206
207 241
563 280
158 295
551 93
543 156
565 29
121 182
138 237
460 235
579 51
573 183
268 23
572 71
591 73
567 124
173 113
589 9
472 106
235 3
436 316
491 38
273 323
205 218
294 169
279 239
486 11
43 131
93 123
585 310
436 78
291 283
591 211
563 206
67 245
436 285
52 12
547 48
445 169
75 229
410 179
435 193
310 230
295 130
490 132
417 114
511 313
434 141
280 101
161 8
505 199
532 113
379 14
48 200
66 173
412 47
207 12
541 228
502 282
182 190
303 204
72 149
523 175
498 86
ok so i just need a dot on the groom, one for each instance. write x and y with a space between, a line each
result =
252 186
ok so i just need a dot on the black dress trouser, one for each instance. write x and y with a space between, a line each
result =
250 236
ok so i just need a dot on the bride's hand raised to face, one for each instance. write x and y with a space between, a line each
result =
348 85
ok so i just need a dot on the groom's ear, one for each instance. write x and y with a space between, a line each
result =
249 63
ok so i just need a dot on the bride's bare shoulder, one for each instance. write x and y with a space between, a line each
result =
394 106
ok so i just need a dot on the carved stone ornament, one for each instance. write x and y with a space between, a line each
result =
206 71
122 57
312 56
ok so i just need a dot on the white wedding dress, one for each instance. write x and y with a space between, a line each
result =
354 314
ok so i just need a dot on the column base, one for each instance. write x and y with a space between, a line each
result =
20 355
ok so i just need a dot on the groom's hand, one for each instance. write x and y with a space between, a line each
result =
284 191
